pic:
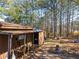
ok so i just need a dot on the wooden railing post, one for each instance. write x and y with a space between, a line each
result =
10 36
24 44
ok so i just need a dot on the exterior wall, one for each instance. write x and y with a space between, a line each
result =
3 46
41 38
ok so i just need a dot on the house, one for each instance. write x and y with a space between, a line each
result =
15 37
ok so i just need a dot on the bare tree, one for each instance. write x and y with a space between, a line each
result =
55 17
68 18
61 9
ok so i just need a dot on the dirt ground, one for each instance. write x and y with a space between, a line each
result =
68 50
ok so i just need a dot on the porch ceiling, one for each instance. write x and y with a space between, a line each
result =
15 32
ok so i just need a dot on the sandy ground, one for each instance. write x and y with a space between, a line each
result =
68 50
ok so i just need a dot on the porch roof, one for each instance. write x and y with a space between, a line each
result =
15 29
12 26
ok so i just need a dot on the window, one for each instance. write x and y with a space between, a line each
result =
21 37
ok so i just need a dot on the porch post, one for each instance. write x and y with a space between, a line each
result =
10 36
24 44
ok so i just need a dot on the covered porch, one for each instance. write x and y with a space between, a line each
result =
18 40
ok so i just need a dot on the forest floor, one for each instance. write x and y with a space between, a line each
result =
68 50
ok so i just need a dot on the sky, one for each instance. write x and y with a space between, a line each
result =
1 20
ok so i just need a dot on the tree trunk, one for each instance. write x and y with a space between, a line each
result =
55 17
68 19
